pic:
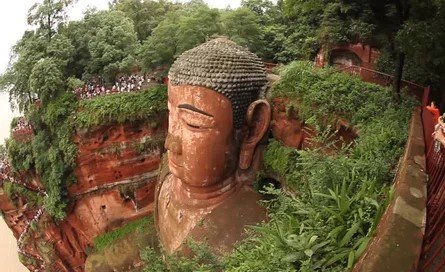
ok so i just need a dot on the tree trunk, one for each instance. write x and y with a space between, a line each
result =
397 81
402 8
49 29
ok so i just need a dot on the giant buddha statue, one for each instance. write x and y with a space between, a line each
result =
216 122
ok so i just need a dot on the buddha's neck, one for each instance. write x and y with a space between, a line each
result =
208 196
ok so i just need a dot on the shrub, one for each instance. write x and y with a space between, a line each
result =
123 107
326 94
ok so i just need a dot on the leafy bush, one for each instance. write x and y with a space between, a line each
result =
33 199
327 94
120 108
20 154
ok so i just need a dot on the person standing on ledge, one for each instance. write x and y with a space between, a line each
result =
215 125
434 111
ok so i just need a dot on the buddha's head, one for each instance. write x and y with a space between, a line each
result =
215 119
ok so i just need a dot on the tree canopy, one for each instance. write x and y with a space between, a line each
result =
113 45
149 34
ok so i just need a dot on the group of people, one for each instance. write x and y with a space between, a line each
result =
123 84
439 129
129 83
90 90
22 124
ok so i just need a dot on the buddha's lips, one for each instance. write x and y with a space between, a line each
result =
171 161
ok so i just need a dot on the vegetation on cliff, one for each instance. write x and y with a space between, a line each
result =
33 199
52 152
143 225
326 95
120 108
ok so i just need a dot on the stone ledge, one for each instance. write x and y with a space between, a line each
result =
397 243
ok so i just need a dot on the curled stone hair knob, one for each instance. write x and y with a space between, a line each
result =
225 67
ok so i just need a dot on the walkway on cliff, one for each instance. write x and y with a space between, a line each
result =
6 177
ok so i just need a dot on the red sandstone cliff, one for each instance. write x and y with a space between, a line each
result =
116 175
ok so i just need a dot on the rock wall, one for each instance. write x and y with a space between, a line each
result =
116 177
292 131
366 55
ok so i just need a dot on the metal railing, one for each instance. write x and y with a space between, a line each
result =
432 258
382 79
433 251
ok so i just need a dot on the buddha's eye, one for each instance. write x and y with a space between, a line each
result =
195 121
192 125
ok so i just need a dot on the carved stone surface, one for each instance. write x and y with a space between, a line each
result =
215 125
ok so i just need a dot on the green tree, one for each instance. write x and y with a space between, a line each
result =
146 15
43 42
421 40
260 7
46 80
47 16
80 34
243 27
25 54
181 30
112 45
322 23
60 50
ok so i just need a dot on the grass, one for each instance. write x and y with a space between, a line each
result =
101 242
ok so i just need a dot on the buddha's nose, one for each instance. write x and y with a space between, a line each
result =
173 144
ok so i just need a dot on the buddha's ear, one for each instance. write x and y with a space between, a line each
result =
258 120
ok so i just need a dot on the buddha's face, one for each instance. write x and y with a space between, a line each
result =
202 149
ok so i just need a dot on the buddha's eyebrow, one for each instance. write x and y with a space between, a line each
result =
193 108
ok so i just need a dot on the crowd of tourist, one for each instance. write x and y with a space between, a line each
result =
123 84
22 124
129 83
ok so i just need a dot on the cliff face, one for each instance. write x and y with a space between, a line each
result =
116 175
292 131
